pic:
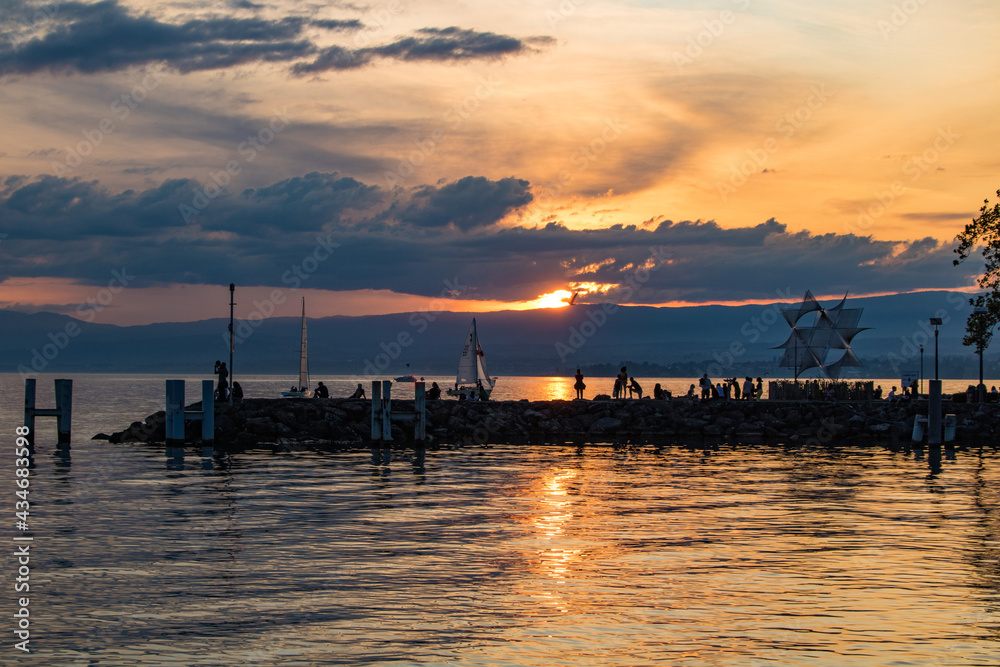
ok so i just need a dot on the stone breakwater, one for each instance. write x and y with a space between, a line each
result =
346 422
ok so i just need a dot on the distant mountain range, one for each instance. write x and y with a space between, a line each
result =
680 342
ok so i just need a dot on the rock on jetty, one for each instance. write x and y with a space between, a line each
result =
347 422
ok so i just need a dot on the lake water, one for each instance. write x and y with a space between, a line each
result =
764 555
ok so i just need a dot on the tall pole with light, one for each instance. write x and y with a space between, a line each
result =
934 426
979 312
921 369
232 338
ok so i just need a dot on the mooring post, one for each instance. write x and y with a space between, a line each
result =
207 412
420 408
63 412
376 411
386 410
64 408
29 408
175 415
934 430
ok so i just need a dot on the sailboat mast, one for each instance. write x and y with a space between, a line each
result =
304 353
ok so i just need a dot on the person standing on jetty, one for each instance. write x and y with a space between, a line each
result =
748 389
706 386
223 373
579 386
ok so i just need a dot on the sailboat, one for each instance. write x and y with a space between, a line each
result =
302 390
473 380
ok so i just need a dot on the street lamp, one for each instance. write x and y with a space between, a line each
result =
936 322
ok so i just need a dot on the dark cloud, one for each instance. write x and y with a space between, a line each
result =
411 240
106 36
469 203
429 44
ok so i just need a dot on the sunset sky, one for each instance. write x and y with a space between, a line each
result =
405 155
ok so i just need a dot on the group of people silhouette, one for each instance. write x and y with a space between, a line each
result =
730 388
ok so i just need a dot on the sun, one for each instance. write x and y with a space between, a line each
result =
557 299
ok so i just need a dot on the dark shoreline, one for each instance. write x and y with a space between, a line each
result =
340 422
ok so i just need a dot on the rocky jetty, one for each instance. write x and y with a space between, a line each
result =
347 422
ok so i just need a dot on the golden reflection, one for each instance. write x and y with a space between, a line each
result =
555 555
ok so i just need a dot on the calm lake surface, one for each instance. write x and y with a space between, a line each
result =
763 555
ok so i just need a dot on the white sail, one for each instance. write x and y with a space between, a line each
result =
304 354
472 363
467 366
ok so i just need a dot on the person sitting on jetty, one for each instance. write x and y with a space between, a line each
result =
634 387
579 385
659 394
719 392
321 391
434 393
878 393
237 393
690 393
359 392
892 395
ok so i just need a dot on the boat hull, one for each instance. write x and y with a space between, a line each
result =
470 393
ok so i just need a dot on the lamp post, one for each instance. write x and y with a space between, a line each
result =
936 322
232 339
934 431
980 312
921 369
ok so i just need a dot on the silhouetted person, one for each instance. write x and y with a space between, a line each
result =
878 393
759 394
237 393
706 386
321 391
658 393
748 389
434 393
623 378
359 392
735 391
618 389
634 387
690 393
579 386
223 373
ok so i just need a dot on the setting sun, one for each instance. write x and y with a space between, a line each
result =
556 299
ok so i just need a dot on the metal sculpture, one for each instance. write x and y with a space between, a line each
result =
832 329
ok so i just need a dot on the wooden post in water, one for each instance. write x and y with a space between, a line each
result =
29 408
207 417
387 410
934 427
420 408
64 408
175 416
63 412
376 411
